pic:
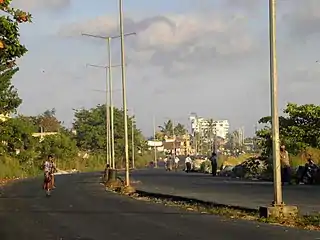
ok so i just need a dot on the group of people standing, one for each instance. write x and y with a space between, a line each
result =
172 163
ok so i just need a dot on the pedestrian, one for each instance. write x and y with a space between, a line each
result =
188 163
214 164
165 160
106 172
176 163
285 165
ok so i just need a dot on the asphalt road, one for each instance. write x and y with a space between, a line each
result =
250 194
81 209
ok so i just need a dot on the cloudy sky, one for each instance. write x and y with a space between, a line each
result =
206 56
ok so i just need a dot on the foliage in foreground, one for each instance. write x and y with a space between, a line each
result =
299 128
23 154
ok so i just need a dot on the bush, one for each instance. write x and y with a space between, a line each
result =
205 167
60 145
12 168
142 160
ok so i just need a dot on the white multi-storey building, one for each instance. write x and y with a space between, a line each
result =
200 125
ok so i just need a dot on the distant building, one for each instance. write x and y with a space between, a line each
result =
178 145
42 135
200 125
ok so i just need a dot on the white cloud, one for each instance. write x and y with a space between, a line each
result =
178 42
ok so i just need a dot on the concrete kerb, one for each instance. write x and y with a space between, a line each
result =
193 200
283 211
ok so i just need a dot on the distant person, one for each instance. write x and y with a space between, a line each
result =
285 165
165 160
214 164
105 174
188 163
53 170
176 163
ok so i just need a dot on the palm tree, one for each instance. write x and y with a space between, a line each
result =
180 130
167 128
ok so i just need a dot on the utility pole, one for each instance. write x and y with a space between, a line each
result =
154 141
113 164
132 141
174 140
108 135
108 121
274 106
124 93
109 38
110 139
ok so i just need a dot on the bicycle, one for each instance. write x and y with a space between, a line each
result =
48 183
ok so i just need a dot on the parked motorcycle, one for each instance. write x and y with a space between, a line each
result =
308 173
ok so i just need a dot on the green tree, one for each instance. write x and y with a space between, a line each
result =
90 127
299 128
180 130
167 128
60 145
48 121
10 50
14 131
17 135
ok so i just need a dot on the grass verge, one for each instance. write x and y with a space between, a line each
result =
309 222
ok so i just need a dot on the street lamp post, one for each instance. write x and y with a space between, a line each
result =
278 208
274 106
110 137
109 38
154 142
124 92
132 141
113 164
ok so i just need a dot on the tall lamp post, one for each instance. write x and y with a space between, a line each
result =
278 208
154 142
109 38
274 105
124 92
132 140
109 127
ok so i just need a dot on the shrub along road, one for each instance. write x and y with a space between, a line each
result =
80 208
234 192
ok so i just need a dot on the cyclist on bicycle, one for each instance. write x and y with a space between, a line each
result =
49 169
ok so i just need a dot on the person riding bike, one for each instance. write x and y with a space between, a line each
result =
49 168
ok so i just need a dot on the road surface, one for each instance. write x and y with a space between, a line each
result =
81 209
250 194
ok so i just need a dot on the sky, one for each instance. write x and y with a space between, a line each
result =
210 57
